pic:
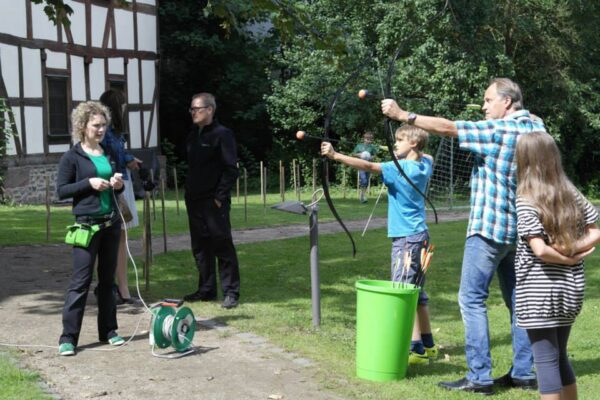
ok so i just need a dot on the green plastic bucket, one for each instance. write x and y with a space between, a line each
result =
384 323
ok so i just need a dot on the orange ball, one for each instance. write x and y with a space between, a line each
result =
363 93
300 135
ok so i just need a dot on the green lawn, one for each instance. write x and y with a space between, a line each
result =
27 224
17 383
275 303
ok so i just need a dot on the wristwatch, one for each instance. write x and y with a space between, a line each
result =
411 118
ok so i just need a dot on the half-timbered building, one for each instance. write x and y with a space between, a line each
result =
47 69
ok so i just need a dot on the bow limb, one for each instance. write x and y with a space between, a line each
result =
389 136
325 160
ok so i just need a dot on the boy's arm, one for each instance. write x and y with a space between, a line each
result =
364 165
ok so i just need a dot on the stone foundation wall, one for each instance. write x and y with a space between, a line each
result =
25 179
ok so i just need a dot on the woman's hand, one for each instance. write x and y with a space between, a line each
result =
134 164
116 181
99 184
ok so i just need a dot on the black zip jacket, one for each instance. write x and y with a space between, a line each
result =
74 172
212 158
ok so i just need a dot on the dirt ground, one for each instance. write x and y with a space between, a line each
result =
227 364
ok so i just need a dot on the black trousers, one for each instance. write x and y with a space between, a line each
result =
210 231
104 246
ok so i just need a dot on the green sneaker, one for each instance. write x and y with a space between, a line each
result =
416 358
66 349
116 341
432 352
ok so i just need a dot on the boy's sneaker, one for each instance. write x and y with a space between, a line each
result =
432 352
416 358
116 341
66 349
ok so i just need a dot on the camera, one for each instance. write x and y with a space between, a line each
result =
146 179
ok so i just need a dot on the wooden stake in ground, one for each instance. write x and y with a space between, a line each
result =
176 189
358 184
295 182
245 195
48 228
152 194
314 178
281 180
164 214
265 191
262 183
147 239
343 182
237 183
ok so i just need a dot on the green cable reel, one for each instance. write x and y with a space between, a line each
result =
172 327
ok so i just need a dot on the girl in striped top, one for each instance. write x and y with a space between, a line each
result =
557 229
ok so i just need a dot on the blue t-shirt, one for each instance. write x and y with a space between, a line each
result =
406 207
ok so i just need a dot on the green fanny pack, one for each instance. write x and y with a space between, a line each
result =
80 235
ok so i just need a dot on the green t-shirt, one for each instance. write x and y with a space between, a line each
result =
371 148
104 171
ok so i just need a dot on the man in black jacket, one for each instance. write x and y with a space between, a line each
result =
212 172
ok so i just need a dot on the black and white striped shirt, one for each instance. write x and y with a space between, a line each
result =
547 295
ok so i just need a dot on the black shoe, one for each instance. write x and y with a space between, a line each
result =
467 386
508 381
198 296
229 302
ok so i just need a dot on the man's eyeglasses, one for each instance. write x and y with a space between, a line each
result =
196 109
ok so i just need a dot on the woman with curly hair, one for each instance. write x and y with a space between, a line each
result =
86 175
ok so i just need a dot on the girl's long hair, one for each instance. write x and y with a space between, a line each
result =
543 182
114 100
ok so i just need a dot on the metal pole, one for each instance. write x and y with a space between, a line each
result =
314 266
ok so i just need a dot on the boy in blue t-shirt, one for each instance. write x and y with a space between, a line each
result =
406 220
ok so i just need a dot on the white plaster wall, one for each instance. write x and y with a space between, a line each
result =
34 129
9 61
11 150
77 23
133 82
77 79
146 32
134 130
13 18
32 72
98 25
58 148
116 66
56 60
148 73
97 85
124 29
151 2
42 27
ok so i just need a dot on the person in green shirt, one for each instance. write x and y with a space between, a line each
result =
366 151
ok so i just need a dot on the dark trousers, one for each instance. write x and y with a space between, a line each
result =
210 230
104 245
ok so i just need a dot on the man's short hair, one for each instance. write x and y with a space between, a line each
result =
414 134
507 88
207 98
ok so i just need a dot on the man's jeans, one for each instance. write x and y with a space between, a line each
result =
481 259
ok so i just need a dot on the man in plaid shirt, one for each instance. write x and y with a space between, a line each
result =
491 234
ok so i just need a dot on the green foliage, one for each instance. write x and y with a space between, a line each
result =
548 46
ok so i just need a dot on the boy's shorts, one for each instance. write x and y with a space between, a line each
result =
414 244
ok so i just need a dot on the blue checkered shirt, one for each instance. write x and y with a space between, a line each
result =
493 179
